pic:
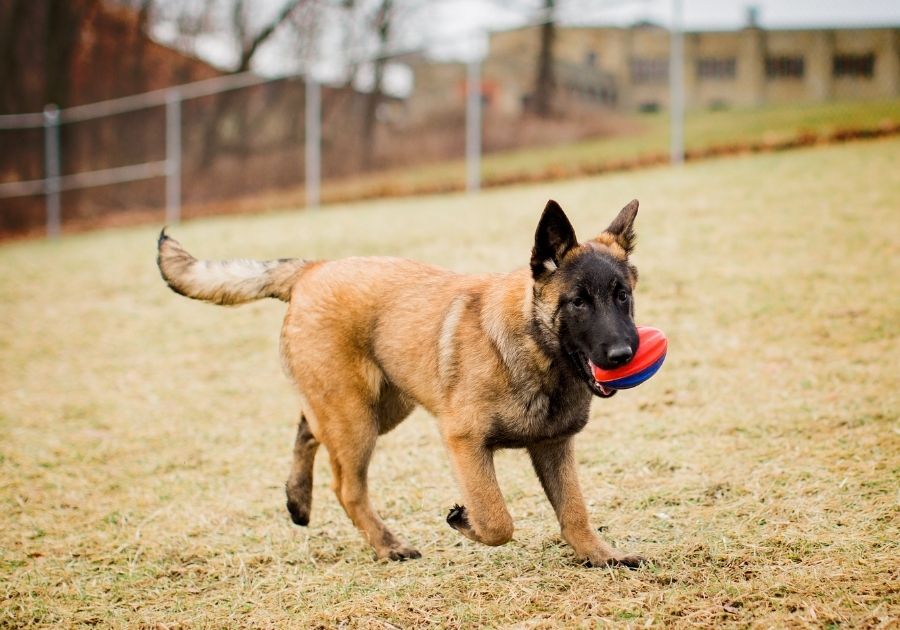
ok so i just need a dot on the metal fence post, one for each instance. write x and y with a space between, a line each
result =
173 156
51 170
313 136
676 84
473 126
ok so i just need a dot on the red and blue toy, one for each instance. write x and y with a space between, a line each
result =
651 353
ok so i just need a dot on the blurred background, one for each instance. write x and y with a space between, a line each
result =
123 111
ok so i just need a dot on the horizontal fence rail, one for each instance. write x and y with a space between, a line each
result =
88 179
144 100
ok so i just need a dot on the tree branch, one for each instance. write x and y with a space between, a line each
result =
249 48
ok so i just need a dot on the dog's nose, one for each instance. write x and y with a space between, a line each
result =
619 355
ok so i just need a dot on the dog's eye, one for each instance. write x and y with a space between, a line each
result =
622 296
578 302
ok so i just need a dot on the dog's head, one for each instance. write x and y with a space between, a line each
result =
583 292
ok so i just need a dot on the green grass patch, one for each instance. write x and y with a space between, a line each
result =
703 129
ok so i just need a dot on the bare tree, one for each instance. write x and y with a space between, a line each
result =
368 31
232 23
540 13
60 40
382 27
13 17
139 40
352 24
545 82
37 42
248 44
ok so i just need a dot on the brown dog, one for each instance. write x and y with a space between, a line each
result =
502 360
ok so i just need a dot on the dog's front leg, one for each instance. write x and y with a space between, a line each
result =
554 463
483 517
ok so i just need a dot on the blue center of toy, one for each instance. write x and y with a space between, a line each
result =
627 382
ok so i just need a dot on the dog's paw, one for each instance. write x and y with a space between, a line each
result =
630 560
298 515
398 553
457 518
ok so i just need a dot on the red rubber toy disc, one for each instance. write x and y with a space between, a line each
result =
652 347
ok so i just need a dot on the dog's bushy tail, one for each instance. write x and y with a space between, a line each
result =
226 282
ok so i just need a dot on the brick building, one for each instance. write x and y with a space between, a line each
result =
628 68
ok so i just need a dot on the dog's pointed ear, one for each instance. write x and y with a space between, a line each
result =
553 238
621 231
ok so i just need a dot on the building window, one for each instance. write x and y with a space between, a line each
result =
602 94
655 70
716 68
785 67
854 66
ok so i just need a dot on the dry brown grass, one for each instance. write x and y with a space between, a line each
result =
144 438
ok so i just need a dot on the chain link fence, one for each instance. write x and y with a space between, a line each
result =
222 144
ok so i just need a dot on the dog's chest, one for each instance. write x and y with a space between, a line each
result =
529 417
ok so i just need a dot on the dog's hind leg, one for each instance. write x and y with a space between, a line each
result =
349 435
299 483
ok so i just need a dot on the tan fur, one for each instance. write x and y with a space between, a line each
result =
447 340
608 241
225 282
366 339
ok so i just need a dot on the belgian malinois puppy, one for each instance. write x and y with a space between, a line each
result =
501 360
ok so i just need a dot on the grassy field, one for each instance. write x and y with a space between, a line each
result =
145 438
704 129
